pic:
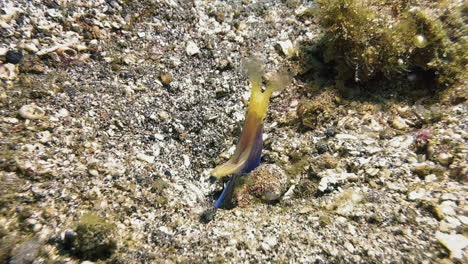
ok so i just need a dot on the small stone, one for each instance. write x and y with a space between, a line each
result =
330 132
447 207
269 243
399 123
321 147
192 48
420 41
3 51
345 137
208 215
129 59
164 115
417 194
26 252
430 178
455 243
8 71
13 57
10 120
31 47
268 182
144 157
31 112
463 219
166 78
445 159
93 172
159 137
448 196
349 247
287 48
186 160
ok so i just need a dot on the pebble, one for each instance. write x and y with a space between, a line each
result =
31 112
186 160
287 48
269 183
349 247
330 132
321 147
417 194
399 123
8 71
192 48
455 243
13 57
144 157
31 47
25 252
447 207
345 137
331 176
449 196
269 242
166 78
430 178
445 159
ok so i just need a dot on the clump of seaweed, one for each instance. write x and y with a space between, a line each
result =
94 238
368 40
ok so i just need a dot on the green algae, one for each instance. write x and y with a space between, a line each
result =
368 40
94 238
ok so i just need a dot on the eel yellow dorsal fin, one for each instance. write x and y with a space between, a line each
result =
255 115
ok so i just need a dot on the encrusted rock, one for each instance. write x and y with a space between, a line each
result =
268 182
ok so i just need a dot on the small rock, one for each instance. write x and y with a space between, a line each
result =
417 194
449 196
144 157
192 48
445 159
13 57
345 137
430 178
455 243
159 137
8 71
10 120
164 115
31 47
268 182
287 48
269 243
3 51
26 252
93 172
129 59
447 207
399 123
208 215
331 177
31 112
330 132
349 247
166 78
186 160
321 147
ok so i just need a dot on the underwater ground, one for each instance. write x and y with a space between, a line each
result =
113 114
